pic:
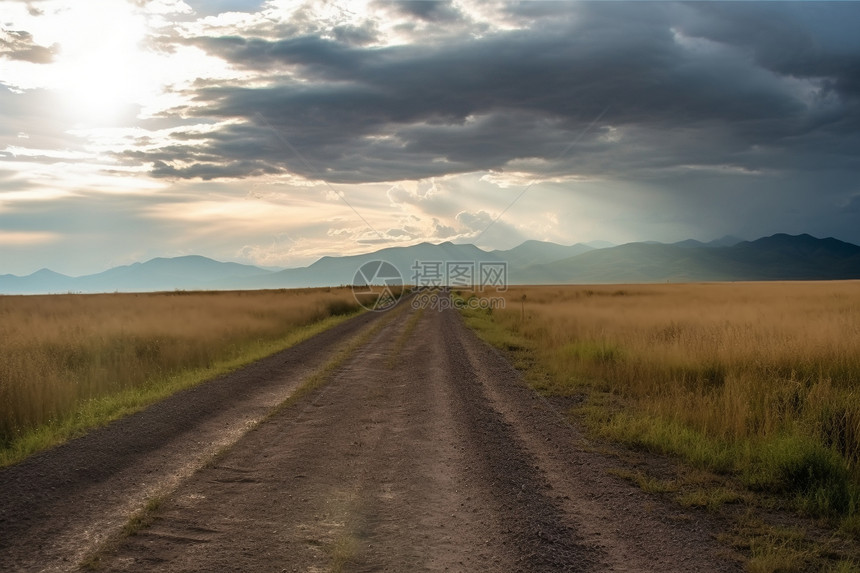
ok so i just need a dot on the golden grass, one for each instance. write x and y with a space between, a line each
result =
757 379
63 355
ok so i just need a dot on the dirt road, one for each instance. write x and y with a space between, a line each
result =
422 452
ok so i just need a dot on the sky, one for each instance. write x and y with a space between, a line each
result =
276 132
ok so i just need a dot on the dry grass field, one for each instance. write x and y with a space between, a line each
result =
68 362
756 380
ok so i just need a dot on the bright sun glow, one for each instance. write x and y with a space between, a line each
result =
101 64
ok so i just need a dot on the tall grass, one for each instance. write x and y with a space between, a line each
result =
59 352
759 379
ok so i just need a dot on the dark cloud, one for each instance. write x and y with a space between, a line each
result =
212 170
361 35
318 56
356 114
19 45
442 11
429 23
234 152
802 39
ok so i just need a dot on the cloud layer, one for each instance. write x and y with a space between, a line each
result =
589 89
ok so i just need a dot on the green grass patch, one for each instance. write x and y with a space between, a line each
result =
709 498
596 351
815 476
646 483
778 556
667 437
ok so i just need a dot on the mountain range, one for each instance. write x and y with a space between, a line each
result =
777 257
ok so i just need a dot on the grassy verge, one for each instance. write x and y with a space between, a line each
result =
111 403
753 386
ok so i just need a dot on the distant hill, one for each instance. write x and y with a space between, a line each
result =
539 252
726 241
189 272
40 282
600 244
778 257
630 263
330 271
798 257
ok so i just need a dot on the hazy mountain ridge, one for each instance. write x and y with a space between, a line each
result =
538 252
777 257
159 274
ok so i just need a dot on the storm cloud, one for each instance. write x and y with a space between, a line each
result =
593 89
